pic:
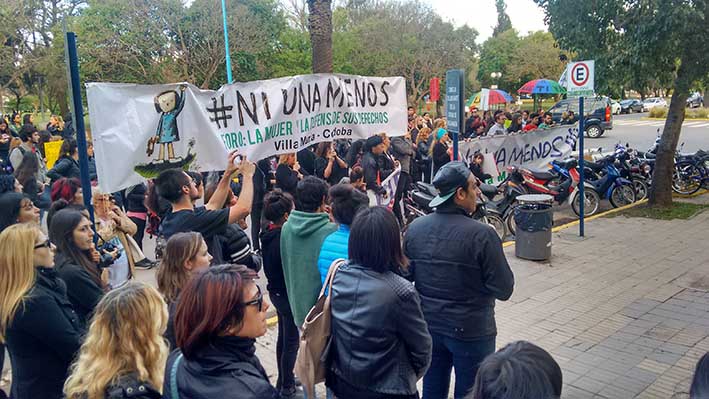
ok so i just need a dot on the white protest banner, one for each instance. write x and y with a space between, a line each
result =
534 149
389 184
141 130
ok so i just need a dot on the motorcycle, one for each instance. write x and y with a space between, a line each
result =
561 182
502 208
607 181
416 204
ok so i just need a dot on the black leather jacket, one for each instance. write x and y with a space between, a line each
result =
370 167
131 387
380 341
459 269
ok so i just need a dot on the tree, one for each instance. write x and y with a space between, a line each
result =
503 20
651 33
320 25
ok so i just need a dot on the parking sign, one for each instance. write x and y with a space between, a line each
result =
580 81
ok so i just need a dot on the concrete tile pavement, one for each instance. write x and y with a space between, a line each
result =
624 311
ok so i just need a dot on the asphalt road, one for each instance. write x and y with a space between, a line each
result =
640 133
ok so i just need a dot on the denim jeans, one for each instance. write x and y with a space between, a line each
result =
287 342
464 356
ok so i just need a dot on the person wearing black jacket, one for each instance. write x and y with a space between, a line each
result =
404 151
459 270
41 329
262 184
277 207
306 160
220 314
383 348
374 147
68 163
440 152
288 173
477 167
76 261
136 209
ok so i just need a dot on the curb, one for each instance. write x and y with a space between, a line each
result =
647 118
274 320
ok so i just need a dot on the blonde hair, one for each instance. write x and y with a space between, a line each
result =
17 272
171 274
425 131
125 337
283 159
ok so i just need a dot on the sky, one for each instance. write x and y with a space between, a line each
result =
526 16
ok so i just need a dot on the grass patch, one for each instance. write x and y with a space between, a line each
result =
696 113
678 210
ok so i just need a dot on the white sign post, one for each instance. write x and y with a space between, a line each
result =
580 79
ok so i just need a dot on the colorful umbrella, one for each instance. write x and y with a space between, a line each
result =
541 86
486 97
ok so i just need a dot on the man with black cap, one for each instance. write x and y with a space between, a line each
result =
374 147
459 269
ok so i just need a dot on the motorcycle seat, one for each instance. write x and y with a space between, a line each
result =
542 175
567 163
489 190
594 166
427 188
647 155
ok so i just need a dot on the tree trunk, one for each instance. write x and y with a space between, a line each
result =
661 189
320 24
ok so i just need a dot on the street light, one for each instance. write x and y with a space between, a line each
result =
495 75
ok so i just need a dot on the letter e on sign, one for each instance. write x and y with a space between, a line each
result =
581 78
579 75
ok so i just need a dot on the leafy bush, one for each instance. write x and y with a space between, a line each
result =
658 112
696 113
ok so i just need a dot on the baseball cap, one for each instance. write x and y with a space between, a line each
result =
448 179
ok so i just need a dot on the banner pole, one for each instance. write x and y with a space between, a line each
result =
73 62
582 200
226 44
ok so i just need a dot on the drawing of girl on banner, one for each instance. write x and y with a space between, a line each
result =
168 104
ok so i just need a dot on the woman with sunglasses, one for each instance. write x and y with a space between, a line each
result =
220 314
37 321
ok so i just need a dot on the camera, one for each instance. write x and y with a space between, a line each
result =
106 258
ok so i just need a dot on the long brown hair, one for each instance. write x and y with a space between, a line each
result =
171 274
210 304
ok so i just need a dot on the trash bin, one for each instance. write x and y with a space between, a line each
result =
534 218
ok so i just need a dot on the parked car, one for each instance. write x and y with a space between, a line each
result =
631 105
695 100
615 107
653 102
597 111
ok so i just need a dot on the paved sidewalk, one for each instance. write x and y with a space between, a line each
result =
625 311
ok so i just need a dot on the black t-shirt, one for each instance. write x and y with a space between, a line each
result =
337 172
208 223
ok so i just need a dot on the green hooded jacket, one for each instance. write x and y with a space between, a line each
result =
301 239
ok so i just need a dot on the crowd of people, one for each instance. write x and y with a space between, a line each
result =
404 306
501 122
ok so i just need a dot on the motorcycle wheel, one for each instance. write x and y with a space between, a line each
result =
641 188
686 179
510 222
622 195
497 223
590 205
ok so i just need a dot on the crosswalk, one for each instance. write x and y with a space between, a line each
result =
648 123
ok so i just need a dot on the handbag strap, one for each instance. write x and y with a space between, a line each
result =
331 276
173 378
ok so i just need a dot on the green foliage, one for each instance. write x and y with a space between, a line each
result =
696 113
678 210
503 20
519 59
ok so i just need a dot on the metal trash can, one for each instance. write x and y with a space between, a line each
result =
534 218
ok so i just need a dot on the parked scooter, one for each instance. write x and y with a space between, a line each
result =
606 179
561 182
